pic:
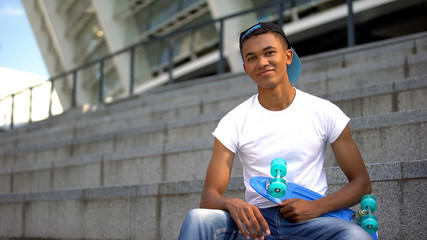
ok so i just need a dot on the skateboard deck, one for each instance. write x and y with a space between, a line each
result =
259 184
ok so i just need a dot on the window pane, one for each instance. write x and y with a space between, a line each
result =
162 10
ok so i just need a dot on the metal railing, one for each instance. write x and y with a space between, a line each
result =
280 10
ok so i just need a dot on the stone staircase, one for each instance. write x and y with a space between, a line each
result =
134 168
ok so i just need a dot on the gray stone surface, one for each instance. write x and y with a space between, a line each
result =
77 176
32 181
414 209
354 106
156 211
5 183
102 121
187 165
381 138
11 220
133 171
413 99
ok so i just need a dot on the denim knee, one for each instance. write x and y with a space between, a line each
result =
204 224
201 215
353 231
191 224
195 214
195 218
356 232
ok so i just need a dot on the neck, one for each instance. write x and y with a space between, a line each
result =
276 99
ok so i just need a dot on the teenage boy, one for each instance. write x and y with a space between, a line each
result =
278 121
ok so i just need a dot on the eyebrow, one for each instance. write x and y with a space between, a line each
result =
264 49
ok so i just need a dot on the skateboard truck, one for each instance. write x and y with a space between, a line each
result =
277 185
365 217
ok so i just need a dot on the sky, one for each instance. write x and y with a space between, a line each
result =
21 63
21 66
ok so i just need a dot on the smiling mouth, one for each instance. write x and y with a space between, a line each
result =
265 72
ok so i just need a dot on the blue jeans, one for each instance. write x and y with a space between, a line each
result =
217 224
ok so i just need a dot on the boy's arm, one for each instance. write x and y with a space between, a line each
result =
349 159
217 178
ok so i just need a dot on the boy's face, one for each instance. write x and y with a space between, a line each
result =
265 58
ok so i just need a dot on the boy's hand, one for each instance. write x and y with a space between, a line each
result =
247 216
299 210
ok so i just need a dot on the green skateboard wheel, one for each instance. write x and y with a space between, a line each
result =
369 202
278 167
370 223
277 187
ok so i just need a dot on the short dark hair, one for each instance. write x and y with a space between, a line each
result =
294 69
262 28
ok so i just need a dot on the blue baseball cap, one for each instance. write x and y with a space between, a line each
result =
294 69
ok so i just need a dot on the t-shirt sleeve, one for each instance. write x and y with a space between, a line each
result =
336 122
226 132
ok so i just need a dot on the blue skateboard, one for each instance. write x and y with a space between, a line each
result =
277 189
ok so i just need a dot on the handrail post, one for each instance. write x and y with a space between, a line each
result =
101 82
350 24
221 47
281 9
12 125
132 71
74 93
30 120
51 97
170 55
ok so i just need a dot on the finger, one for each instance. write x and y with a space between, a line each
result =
256 224
240 225
287 201
288 211
262 222
286 207
289 215
249 225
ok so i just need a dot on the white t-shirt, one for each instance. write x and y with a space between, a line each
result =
298 134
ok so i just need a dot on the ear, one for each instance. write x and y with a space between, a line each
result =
244 67
289 56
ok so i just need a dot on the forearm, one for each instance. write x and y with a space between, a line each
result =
212 202
351 163
217 177
215 201
346 197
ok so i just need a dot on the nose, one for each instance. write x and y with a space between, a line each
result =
262 62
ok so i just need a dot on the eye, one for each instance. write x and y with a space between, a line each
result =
269 53
250 59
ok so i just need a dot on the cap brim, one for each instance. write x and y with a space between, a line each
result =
294 70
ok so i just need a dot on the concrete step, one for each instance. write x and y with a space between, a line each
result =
388 137
144 211
176 93
381 138
368 57
369 53
381 72
390 97
345 79
137 112
323 74
384 98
